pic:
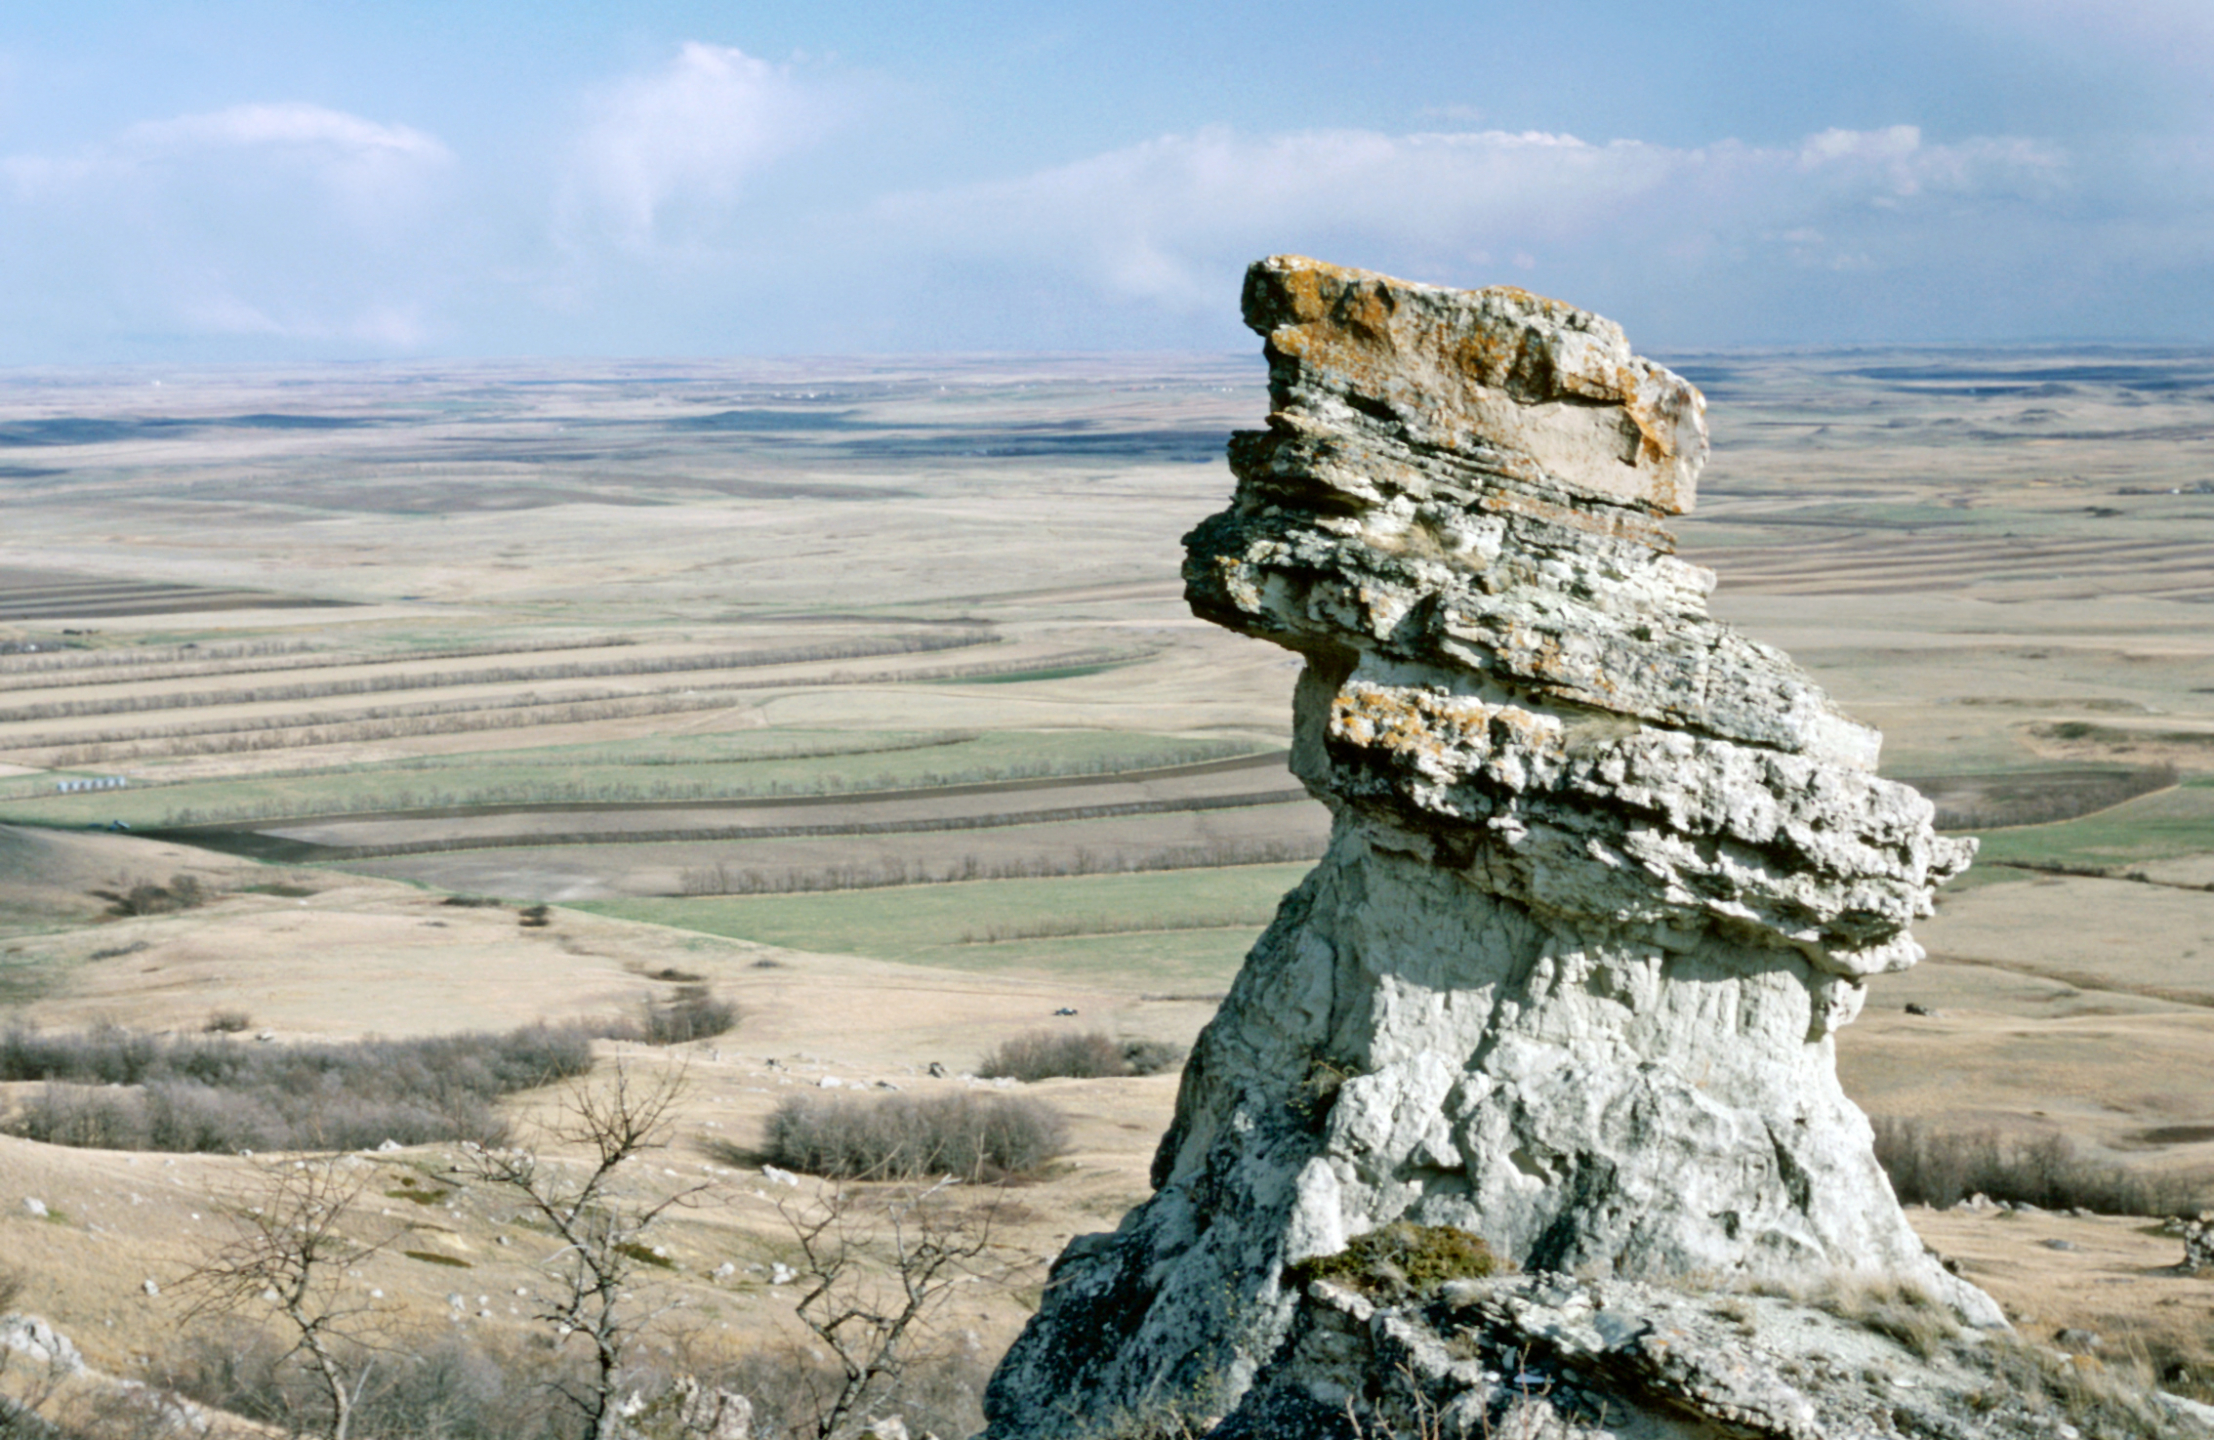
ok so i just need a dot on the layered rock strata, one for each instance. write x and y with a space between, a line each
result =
1605 876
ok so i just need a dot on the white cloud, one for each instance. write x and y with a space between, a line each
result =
346 149
312 127
287 221
1170 222
684 140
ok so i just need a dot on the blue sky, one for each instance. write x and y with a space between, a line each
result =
256 180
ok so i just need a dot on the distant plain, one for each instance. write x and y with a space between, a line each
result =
880 672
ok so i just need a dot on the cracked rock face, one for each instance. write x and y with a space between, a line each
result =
1604 879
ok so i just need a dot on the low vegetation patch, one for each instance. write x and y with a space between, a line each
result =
900 1137
467 1384
2102 1399
1403 1259
432 1257
144 897
1898 1310
646 1255
117 1089
1085 1055
692 1013
1318 1089
1942 1168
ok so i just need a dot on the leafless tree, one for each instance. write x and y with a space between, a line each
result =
599 1221
295 1240
873 1316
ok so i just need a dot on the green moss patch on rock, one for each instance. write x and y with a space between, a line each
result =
1404 1258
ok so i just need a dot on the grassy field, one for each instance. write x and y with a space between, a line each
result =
1184 929
2161 826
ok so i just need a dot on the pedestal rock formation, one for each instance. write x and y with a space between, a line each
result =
1604 880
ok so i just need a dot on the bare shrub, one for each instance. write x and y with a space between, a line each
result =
901 1137
874 1323
144 897
1086 1055
1048 1054
111 1088
1151 1057
1942 1168
939 1391
465 1384
692 1013
455 1385
228 1022
601 1221
285 1264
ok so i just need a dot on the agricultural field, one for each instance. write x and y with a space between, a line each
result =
865 694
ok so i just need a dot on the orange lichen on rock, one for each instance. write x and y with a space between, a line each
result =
1485 371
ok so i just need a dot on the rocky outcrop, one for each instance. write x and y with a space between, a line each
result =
2198 1242
1557 1357
1604 880
35 1339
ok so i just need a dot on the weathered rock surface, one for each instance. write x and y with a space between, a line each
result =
35 1338
1605 876
2198 1243
1553 1357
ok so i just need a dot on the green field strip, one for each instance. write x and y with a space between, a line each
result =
1185 942
2162 826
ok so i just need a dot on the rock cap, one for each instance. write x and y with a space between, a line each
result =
1533 389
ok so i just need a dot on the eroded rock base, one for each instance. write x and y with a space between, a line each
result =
1550 1357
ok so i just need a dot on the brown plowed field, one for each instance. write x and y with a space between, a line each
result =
50 597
